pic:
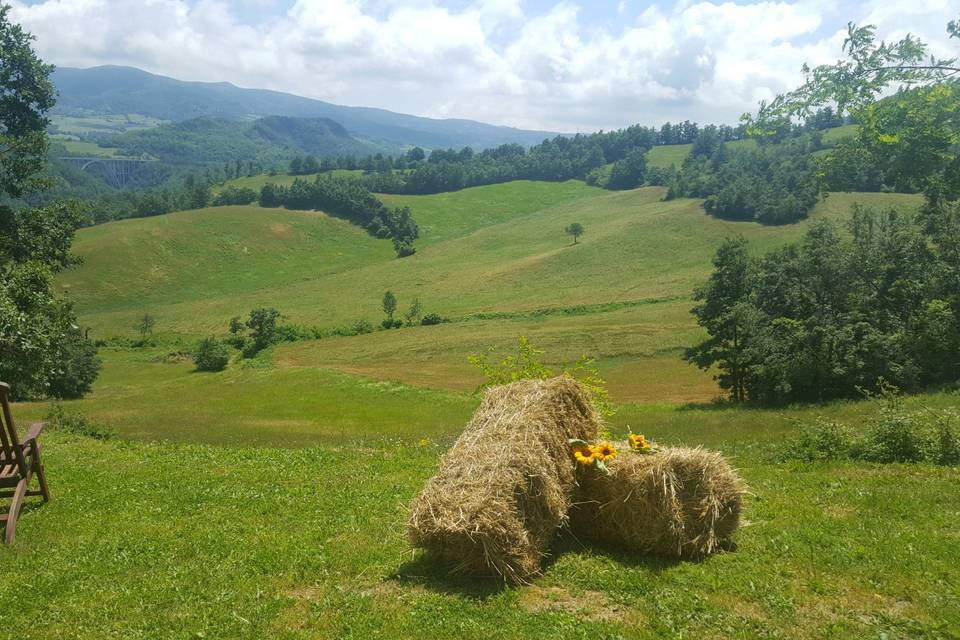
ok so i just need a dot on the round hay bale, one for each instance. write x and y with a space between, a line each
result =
506 486
677 502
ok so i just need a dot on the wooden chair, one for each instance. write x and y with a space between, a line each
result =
18 462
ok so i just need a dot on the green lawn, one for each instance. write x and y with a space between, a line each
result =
159 540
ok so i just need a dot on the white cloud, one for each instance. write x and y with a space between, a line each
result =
485 59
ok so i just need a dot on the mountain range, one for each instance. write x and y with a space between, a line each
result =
118 90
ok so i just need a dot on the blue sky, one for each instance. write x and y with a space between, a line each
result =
572 65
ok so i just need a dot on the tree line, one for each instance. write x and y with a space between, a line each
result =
771 184
348 199
835 313
838 312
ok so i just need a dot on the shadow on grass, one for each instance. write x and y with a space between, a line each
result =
567 542
425 572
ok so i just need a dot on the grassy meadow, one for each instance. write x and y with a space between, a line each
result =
88 149
257 182
78 125
493 260
269 500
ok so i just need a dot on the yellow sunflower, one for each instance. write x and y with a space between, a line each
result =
605 451
637 441
584 454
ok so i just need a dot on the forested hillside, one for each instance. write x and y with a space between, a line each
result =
266 141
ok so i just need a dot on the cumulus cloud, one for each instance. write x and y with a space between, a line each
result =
490 60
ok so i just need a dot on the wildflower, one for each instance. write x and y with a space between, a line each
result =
604 451
424 442
584 454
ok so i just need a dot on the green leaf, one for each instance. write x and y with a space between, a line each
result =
601 467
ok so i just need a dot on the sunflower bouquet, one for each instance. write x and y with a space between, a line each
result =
639 444
593 455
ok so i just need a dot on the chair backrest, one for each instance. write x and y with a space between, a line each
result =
10 450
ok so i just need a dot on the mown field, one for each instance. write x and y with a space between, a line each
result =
257 182
82 148
269 500
161 540
80 125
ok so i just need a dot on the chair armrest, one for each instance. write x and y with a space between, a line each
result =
33 431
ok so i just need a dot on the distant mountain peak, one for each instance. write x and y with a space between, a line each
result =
117 90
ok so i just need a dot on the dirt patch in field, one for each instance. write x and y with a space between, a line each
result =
279 229
739 606
856 605
305 592
306 612
593 606
839 511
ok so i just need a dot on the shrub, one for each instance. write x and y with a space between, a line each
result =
526 364
821 440
237 341
59 419
77 368
895 437
390 323
403 248
361 326
211 355
946 441
433 318
235 195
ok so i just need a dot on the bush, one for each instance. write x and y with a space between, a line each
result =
59 419
526 364
926 435
361 326
821 440
77 368
433 318
947 441
237 341
235 195
895 437
211 355
390 323
403 248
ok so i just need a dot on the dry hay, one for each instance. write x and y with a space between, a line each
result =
677 502
506 486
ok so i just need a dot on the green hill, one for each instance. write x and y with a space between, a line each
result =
493 259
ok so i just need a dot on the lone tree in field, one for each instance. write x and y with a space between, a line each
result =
263 329
574 229
145 325
415 312
389 307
